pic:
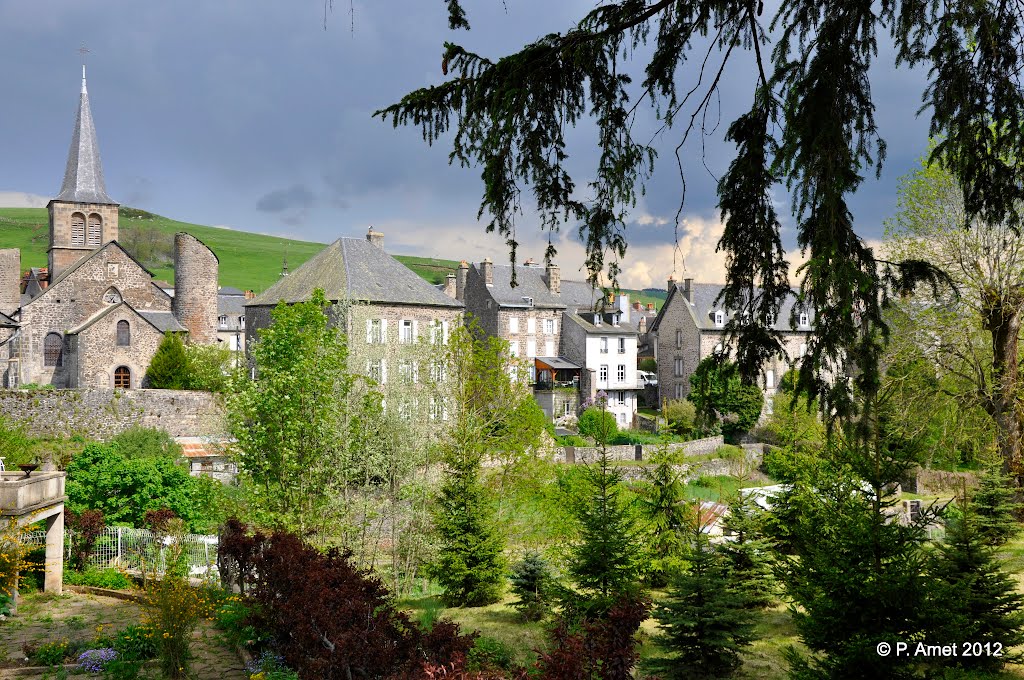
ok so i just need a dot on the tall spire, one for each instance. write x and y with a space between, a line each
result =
83 177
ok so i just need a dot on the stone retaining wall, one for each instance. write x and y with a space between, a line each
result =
100 413
588 454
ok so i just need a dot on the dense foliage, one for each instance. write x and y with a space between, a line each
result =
532 581
168 369
331 620
124 488
597 423
721 399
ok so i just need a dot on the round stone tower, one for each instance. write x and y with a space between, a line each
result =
195 288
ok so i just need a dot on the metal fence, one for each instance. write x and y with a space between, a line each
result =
136 549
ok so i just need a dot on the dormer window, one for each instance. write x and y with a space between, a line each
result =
719 318
615 319
805 319
597 319
528 300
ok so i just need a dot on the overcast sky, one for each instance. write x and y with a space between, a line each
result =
251 114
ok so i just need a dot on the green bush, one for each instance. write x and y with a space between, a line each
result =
532 583
571 440
235 616
168 369
599 424
147 442
98 578
649 365
135 643
490 654
209 367
681 416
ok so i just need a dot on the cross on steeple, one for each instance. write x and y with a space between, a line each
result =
83 50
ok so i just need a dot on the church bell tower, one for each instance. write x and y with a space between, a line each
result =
82 217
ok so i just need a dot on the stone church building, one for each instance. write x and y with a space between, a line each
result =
101 317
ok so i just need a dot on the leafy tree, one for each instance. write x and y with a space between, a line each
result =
720 397
810 125
681 416
209 367
705 618
975 600
531 582
662 505
489 416
794 424
290 420
649 365
749 552
146 442
972 330
168 369
14 443
595 422
994 509
124 488
85 527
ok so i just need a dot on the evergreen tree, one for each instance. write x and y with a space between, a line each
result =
664 508
605 562
706 618
470 563
168 369
749 553
975 601
531 582
993 503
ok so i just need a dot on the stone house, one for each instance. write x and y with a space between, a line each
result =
97 318
396 322
691 326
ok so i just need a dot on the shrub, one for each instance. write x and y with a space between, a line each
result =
332 620
147 442
598 423
135 643
49 653
235 616
173 608
209 367
98 578
571 440
490 654
681 416
86 526
649 365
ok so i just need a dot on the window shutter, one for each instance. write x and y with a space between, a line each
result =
369 331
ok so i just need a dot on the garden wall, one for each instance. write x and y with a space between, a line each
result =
101 413
588 454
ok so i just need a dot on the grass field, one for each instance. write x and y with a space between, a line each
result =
248 261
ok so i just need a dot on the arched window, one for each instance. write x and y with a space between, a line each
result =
77 229
53 350
124 334
122 378
95 229
112 296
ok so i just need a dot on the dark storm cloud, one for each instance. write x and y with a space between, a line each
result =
294 197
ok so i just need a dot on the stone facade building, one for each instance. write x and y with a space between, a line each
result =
396 322
99 317
691 327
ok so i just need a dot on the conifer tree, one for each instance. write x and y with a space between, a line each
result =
664 508
706 618
993 503
168 369
749 553
975 600
531 582
470 563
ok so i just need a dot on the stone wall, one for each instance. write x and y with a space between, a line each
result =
588 454
195 288
10 280
928 482
103 413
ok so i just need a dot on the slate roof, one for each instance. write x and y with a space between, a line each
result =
230 305
532 282
704 308
354 269
230 290
607 327
164 321
83 176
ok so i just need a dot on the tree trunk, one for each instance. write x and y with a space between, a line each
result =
1001 314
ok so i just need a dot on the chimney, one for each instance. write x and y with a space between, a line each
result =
554 279
461 275
249 295
641 325
529 262
487 269
10 280
688 290
638 306
375 237
671 284
450 287
650 306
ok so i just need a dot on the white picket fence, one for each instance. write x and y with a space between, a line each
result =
132 549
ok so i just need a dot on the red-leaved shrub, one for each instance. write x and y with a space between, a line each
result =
86 527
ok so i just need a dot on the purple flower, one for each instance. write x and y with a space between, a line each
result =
94 660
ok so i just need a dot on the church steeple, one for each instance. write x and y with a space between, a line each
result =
83 177
82 217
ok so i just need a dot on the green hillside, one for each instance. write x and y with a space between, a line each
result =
247 261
